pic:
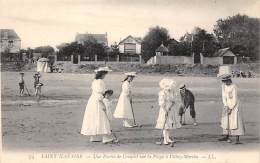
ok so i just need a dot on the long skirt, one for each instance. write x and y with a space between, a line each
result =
240 130
123 108
95 121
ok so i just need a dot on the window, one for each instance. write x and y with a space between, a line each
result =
228 60
130 48
10 43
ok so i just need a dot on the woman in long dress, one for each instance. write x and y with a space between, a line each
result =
124 108
231 120
95 122
167 118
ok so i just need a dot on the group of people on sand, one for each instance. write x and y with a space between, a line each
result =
37 84
171 97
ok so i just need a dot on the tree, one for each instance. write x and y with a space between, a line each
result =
199 41
114 49
87 51
152 40
93 48
240 33
44 50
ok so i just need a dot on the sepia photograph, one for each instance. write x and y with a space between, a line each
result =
130 81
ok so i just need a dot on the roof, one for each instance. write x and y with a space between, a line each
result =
162 48
100 38
9 34
221 52
172 41
137 39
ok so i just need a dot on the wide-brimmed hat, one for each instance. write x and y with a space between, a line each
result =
225 77
37 73
109 92
166 83
131 74
104 69
182 86
43 60
22 73
224 73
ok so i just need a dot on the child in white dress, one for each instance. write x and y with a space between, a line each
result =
231 119
108 103
167 118
124 106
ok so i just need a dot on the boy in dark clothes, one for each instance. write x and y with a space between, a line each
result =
187 101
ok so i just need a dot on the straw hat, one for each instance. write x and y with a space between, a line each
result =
37 74
224 72
167 83
105 69
182 86
131 74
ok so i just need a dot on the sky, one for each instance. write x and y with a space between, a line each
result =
52 22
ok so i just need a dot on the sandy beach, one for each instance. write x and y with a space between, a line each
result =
52 123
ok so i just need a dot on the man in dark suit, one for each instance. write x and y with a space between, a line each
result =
187 101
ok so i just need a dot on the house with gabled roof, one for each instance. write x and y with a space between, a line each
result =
130 45
99 38
10 42
161 50
220 57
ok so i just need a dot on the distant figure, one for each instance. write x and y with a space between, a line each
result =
37 84
21 84
108 103
187 101
249 74
242 74
233 74
237 74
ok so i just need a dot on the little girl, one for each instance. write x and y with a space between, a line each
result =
124 106
167 118
108 103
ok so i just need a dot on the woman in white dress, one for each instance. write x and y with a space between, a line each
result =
231 120
124 108
167 118
95 122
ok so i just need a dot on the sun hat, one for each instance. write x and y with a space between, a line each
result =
224 73
131 74
109 92
105 69
182 86
166 83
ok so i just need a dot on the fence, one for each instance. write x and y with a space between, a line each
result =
135 59
166 60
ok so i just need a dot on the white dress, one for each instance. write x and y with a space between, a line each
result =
123 108
95 121
229 98
165 100
108 103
